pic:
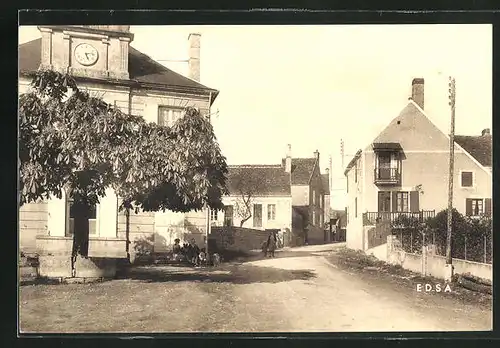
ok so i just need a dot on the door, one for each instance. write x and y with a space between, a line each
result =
257 215
384 205
384 166
228 215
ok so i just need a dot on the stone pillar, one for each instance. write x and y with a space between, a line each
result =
46 55
67 53
448 272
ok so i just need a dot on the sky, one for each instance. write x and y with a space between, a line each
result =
311 86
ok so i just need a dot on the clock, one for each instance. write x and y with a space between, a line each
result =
86 54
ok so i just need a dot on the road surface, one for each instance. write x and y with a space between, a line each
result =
299 291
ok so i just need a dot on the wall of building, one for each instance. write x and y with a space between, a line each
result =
355 190
33 219
238 238
431 171
300 195
316 200
283 217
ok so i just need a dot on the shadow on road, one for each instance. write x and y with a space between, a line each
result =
235 274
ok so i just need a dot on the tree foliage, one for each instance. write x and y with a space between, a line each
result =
69 139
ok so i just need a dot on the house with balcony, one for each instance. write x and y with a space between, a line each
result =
103 62
404 171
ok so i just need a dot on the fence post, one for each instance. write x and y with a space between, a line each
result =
424 254
411 240
484 238
465 247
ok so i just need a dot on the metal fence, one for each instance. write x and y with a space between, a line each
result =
470 247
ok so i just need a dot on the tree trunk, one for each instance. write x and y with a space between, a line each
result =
81 233
245 220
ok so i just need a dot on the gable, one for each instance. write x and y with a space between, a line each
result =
414 131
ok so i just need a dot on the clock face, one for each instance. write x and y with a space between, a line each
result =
86 54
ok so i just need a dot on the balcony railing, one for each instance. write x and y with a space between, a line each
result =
371 218
387 176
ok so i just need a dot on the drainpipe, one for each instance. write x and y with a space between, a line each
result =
127 212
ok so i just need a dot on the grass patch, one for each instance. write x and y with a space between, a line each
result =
355 260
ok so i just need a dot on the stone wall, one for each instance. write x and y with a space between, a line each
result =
238 238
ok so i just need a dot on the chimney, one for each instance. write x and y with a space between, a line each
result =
194 56
316 154
485 132
417 91
288 159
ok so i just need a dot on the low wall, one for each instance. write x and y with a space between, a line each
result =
55 257
432 265
238 238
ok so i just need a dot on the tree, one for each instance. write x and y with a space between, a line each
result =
246 183
70 140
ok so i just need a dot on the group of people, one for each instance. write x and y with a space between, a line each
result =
190 252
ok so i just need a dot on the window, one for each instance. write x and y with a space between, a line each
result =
213 215
314 218
478 206
168 115
356 207
466 179
314 197
72 211
257 215
228 215
271 211
321 220
321 201
402 202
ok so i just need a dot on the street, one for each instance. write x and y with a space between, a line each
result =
299 291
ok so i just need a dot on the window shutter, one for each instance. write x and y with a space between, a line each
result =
487 206
108 215
56 222
414 201
394 201
468 206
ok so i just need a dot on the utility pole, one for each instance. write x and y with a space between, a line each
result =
449 259
342 152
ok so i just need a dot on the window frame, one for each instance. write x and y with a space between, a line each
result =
271 212
68 218
472 179
401 195
172 109
214 213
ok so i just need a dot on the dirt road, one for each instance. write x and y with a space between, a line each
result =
299 291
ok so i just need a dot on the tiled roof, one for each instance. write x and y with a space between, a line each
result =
325 181
260 180
302 169
141 67
478 147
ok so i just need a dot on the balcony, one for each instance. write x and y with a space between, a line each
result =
387 176
372 218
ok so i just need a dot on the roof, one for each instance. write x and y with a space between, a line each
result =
141 67
302 170
352 162
258 180
386 146
479 147
325 181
